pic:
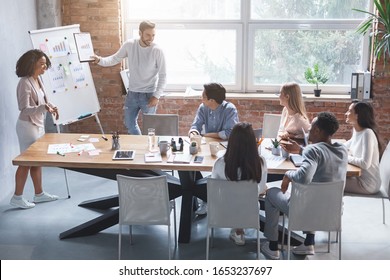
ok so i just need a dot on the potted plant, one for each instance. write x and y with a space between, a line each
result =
382 32
193 148
275 147
316 76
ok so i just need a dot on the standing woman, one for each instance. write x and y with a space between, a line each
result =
294 116
364 149
33 105
241 162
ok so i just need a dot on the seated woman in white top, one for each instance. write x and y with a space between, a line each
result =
364 149
294 116
241 162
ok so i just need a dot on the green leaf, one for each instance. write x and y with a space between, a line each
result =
382 34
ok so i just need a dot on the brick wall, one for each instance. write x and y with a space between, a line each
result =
102 19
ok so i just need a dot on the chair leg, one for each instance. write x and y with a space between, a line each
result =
212 237
384 211
119 242
207 243
169 242
328 241
339 232
258 243
283 232
131 234
288 245
174 223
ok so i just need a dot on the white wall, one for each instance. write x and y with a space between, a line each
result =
16 19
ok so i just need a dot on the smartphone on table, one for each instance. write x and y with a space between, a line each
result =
198 159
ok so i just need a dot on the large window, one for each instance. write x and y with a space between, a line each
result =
254 45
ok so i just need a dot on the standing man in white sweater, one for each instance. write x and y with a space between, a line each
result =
147 74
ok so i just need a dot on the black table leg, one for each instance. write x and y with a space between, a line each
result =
187 180
93 226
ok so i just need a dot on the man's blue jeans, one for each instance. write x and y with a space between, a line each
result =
136 101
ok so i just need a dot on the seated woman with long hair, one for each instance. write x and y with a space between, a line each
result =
364 149
294 116
241 162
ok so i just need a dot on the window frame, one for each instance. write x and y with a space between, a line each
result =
245 54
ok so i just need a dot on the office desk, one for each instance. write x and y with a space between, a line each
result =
102 165
188 186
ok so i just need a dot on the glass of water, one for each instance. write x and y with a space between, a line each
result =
152 143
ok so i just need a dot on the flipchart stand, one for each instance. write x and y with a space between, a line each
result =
79 119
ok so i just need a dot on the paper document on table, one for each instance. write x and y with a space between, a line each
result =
273 161
69 148
153 157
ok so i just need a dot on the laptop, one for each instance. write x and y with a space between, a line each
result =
258 132
296 159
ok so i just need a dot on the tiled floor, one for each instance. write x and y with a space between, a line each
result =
33 233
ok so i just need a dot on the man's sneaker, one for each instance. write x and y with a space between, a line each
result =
21 203
44 197
268 253
202 210
304 250
239 239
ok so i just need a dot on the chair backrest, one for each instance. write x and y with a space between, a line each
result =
164 124
316 206
232 204
271 124
143 201
258 133
384 169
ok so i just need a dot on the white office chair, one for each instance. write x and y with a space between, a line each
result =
315 207
384 192
258 133
145 201
232 204
164 124
271 124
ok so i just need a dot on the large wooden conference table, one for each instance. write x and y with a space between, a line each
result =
189 184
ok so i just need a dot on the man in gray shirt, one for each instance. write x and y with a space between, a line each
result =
322 162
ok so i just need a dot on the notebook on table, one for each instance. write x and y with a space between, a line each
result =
153 157
182 158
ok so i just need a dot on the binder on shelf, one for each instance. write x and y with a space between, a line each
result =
367 85
357 81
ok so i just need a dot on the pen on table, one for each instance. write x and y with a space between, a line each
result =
105 138
80 153
58 153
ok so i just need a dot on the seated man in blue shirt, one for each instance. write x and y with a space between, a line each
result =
322 162
217 116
